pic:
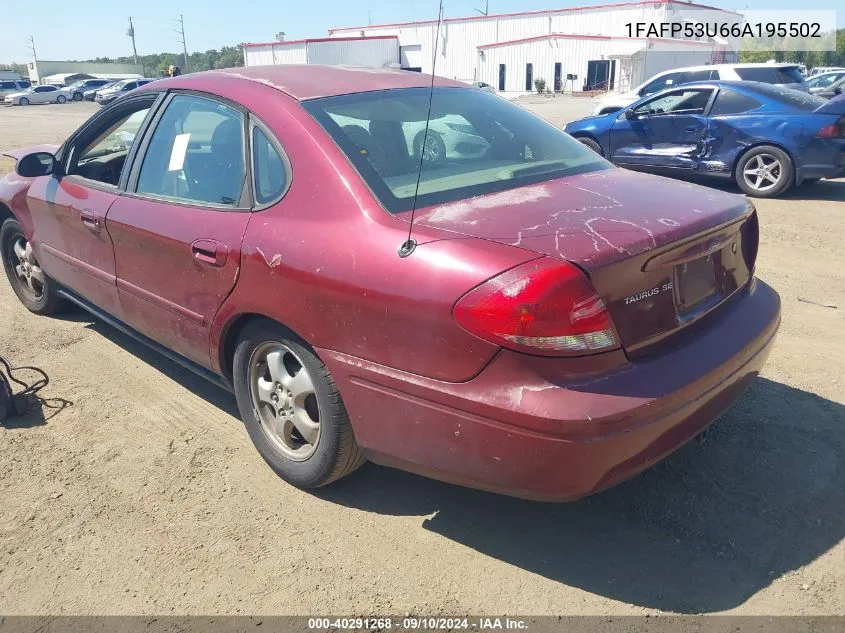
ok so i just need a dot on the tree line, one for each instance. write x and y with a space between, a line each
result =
153 65
810 59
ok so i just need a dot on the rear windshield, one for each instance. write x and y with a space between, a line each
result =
477 143
790 97
772 74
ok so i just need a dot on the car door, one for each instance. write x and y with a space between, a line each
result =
69 208
665 131
177 232
46 94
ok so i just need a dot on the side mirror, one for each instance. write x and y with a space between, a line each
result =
630 114
37 164
837 90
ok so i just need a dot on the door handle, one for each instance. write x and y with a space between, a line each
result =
90 220
690 128
210 252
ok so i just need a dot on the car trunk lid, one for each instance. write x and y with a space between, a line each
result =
661 253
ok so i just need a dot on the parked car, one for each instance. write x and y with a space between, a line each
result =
106 95
480 85
822 70
90 95
76 91
821 83
8 87
787 75
448 137
36 94
534 338
767 138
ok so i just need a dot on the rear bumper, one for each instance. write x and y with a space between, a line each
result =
528 427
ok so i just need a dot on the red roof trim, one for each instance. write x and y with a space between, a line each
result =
313 40
541 12
576 36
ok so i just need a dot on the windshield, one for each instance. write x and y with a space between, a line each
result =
477 143
77 84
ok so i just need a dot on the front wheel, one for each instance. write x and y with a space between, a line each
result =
291 407
434 150
23 101
764 172
29 281
61 99
588 142
77 96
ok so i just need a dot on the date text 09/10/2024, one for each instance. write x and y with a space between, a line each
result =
416 624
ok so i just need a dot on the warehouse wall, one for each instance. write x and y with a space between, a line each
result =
458 56
635 63
269 54
369 53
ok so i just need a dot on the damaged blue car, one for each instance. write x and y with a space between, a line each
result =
765 137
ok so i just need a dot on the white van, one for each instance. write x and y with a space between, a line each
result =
8 86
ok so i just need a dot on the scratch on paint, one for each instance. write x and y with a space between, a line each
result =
272 263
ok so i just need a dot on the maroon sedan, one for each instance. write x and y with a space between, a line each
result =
555 326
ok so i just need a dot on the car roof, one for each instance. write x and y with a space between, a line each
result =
725 66
312 81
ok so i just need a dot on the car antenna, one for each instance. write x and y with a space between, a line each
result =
410 244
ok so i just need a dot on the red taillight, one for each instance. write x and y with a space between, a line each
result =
834 130
543 307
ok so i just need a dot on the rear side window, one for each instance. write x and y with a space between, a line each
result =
196 153
772 75
730 102
697 75
271 178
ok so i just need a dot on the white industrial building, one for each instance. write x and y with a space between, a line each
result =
380 51
572 49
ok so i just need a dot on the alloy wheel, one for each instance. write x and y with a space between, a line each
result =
283 395
762 172
431 150
30 276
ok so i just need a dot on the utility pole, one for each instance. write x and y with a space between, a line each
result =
131 33
34 56
486 8
181 31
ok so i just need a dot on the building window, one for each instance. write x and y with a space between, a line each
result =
529 77
501 77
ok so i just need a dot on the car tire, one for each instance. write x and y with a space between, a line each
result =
593 145
23 101
276 400
29 281
764 171
436 148
77 96
61 99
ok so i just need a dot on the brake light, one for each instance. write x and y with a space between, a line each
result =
546 307
834 130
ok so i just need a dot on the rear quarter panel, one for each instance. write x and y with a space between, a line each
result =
731 136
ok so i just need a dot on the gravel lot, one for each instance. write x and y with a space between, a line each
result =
134 488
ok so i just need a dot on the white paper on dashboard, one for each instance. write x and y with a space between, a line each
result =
180 148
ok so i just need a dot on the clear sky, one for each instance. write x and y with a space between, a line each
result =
83 29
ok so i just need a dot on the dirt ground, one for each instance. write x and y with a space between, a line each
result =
134 488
